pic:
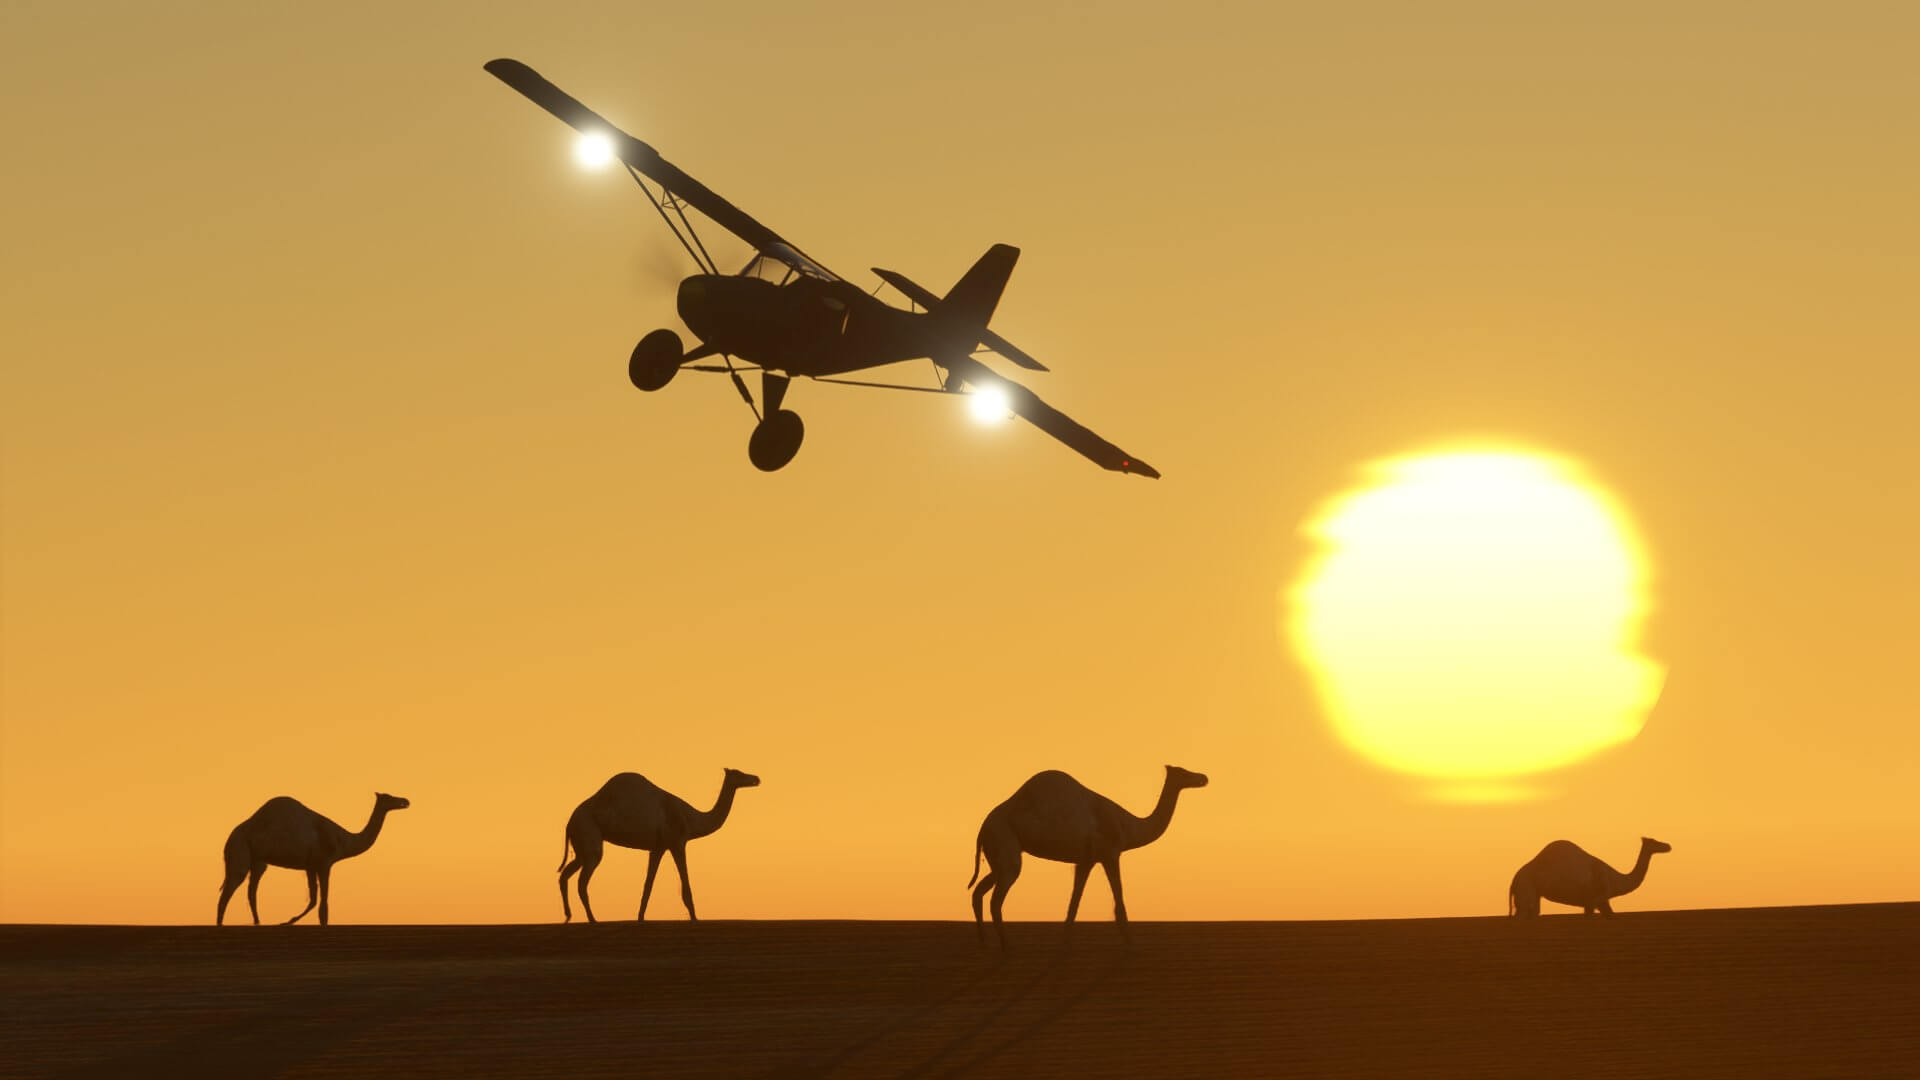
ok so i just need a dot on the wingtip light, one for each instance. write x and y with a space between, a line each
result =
593 150
988 404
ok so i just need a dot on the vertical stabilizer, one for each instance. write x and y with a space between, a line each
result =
970 303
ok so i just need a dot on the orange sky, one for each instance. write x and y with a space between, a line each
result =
320 474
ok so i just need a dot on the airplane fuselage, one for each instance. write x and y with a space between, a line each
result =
804 327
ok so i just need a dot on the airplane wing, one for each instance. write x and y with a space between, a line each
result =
1028 406
647 161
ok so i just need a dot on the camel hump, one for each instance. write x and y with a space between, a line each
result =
628 785
1051 781
1560 849
281 806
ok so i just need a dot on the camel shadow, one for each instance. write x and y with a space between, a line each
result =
944 1062
894 1026
263 1042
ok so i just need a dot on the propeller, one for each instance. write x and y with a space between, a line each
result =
659 265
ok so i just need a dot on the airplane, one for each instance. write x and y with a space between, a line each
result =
787 316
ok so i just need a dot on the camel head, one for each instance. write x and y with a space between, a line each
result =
1648 843
736 778
384 801
1181 778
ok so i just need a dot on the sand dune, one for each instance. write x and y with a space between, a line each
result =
1752 992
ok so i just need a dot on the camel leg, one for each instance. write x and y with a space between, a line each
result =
686 884
313 890
646 891
979 899
1111 865
1524 902
1080 872
567 872
1605 906
235 875
1003 879
253 890
326 888
587 858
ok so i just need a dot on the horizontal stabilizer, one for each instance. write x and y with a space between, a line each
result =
920 295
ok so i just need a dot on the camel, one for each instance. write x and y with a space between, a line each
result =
285 833
629 811
1053 816
1565 874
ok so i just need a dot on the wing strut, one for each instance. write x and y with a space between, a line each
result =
660 203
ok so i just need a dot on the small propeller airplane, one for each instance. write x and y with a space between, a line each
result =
786 316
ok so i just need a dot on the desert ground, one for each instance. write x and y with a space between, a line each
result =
1812 991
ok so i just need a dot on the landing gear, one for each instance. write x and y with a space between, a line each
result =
777 437
775 440
655 360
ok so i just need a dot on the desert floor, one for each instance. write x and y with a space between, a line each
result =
1813 991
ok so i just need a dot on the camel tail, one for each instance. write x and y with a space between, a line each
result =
976 865
1513 896
566 842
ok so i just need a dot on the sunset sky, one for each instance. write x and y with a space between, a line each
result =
320 473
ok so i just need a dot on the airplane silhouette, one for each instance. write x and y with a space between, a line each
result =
785 315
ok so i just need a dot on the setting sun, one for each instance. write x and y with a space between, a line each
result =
1471 615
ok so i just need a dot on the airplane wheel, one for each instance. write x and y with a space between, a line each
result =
776 440
655 360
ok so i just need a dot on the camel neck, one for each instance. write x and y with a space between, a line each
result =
710 822
1626 883
362 840
1143 831
1631 881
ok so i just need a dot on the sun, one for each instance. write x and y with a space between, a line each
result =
1471 615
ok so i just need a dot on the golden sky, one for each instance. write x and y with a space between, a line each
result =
320 473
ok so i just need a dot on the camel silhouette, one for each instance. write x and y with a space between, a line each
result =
1053 816
630 811
1565 874
285 833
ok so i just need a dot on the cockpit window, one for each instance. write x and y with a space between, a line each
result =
780 264
768 270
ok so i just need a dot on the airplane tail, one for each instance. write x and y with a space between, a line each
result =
969 304
960 326
923 296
